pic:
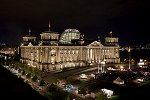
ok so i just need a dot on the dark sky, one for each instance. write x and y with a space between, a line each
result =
128 19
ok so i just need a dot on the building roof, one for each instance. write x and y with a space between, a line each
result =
49 32
119 79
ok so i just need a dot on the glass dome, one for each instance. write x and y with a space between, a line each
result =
68 35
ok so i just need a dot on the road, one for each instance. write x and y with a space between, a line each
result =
14 88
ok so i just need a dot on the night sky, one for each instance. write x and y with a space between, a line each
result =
128 19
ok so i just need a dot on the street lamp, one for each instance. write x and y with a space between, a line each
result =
98 66
102 66
121 68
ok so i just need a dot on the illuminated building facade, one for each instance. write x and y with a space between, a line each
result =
8 51
55 52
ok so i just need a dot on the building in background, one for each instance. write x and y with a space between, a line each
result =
70 49
9 52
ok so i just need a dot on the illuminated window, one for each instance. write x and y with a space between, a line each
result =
73 51
77 51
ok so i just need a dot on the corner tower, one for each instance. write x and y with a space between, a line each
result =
49 38
111 40
29 39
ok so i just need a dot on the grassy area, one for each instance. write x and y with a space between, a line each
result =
114 97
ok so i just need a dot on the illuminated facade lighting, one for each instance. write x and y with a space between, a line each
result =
51 54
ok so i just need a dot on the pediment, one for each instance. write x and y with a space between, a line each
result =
30 44
95 44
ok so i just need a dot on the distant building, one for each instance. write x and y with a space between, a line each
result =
70 49
118 81
9 50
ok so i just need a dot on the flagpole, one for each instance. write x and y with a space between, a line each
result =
29 32
98 66
49 26
129 50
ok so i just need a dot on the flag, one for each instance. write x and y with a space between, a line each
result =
98 37
49 25
110 32
29 31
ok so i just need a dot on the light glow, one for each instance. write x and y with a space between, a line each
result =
109 93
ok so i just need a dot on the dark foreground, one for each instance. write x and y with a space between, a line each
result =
13 88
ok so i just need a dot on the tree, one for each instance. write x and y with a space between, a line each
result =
19 70
68 98
30 69
101 96
42 83
60 95
82 88
54 93
48 95
34 78
28 75
64 95
52 88
23 72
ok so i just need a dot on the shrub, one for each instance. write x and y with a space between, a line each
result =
42 83
28 75
35 78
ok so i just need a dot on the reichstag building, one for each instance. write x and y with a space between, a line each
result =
56 51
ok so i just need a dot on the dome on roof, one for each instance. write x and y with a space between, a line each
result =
71 30
68 35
